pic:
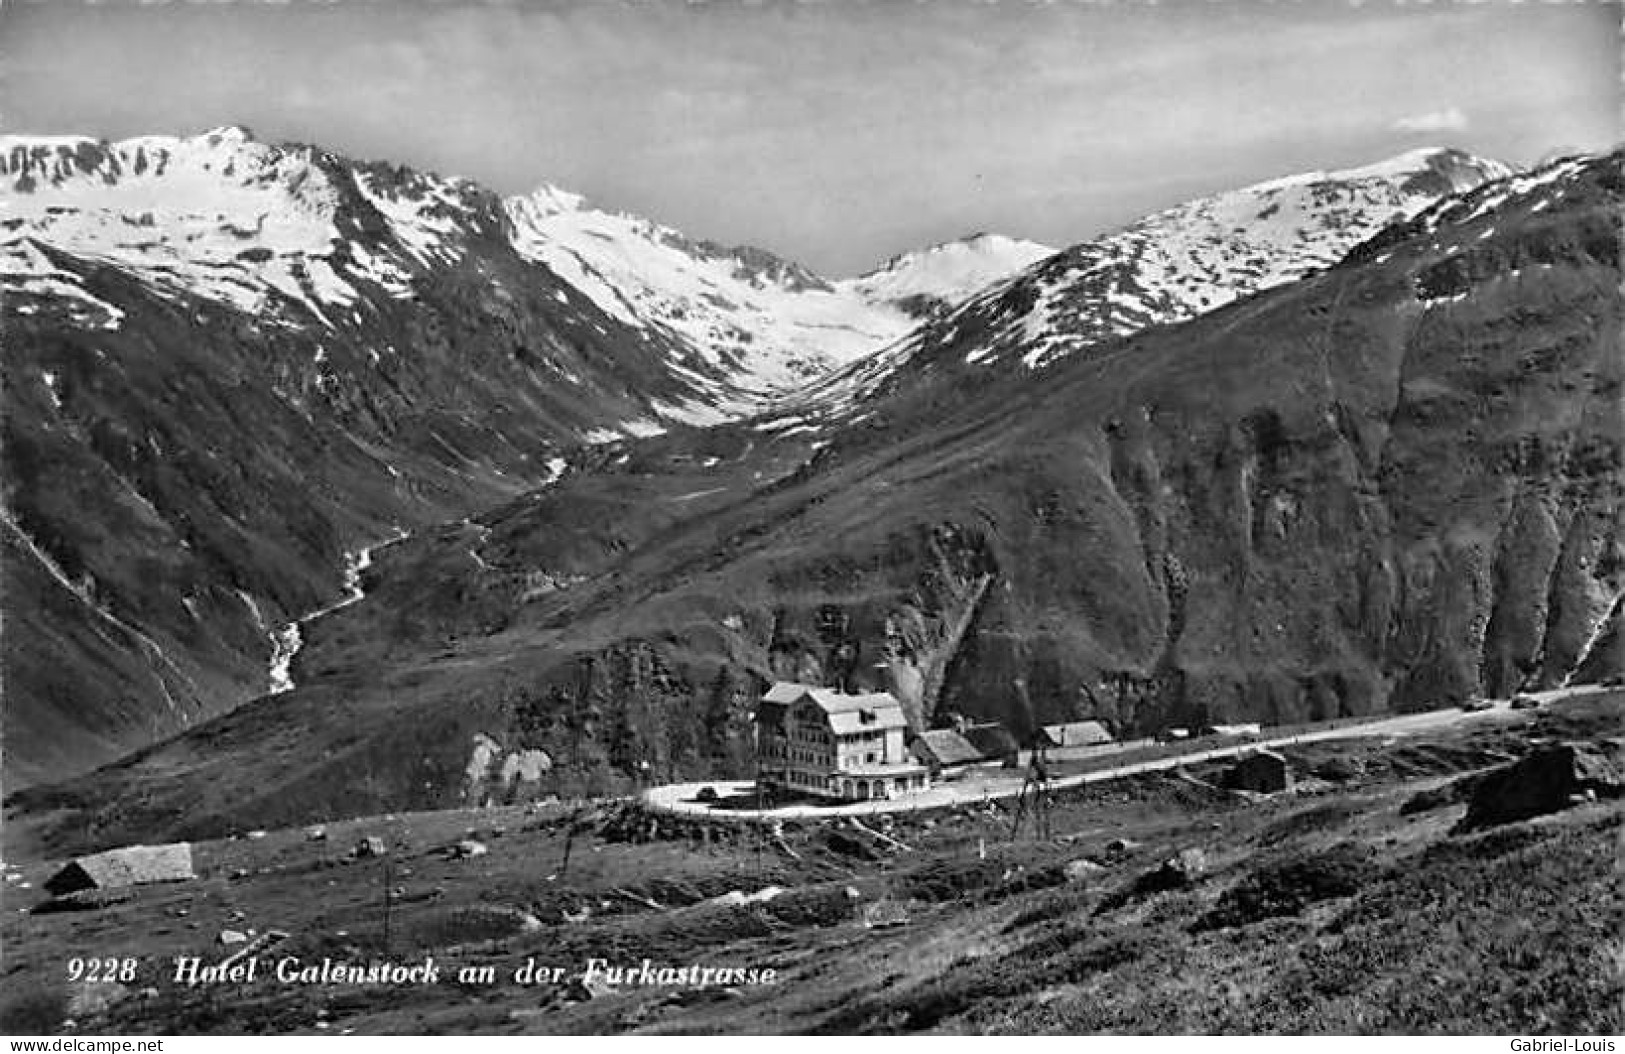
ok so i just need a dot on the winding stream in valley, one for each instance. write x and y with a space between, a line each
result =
286 641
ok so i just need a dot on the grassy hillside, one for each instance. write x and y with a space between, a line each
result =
1339 907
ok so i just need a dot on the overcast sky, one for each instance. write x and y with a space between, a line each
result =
837 132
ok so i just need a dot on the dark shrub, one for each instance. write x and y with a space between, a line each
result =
1288 886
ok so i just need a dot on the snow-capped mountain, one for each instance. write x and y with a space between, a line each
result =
1176 264
929 281
296 238
273 231
294 235
770 324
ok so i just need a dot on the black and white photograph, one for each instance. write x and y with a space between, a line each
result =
812 517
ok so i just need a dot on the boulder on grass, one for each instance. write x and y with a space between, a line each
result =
1183 869
1120 849
1548 780
466 849
91 998
1263 771
1176 872
586 989
372 845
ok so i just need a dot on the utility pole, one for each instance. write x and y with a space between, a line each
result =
569 839
1035 789
761 825
389 878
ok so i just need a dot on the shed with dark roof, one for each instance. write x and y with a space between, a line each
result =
943 749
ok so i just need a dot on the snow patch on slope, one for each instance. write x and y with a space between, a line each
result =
217 215
29 278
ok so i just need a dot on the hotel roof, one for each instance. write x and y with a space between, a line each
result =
871 711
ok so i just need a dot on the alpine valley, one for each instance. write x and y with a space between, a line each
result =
337 488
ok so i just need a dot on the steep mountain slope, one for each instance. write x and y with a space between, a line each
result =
1389 485
227 363
1169 267
231 365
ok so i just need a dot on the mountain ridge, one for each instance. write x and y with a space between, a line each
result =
1165 268
291 231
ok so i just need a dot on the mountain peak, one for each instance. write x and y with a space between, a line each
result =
980 241
550 200
1457 168
228 133
927 281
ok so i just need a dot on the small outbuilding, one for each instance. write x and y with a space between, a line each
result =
1263 770
1248 730
131 865
1075 734
993 742
945 750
